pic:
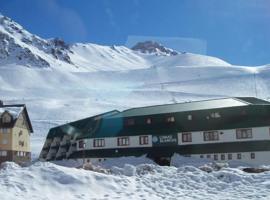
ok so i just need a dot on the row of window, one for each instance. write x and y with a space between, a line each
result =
228 156
186 137
131 122
214 135
21 154
171 119
121 141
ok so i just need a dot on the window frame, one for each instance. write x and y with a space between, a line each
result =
3 153
144 140
123 141
4 141
211 137
222 157
170 119
81 144
149 120
239 156
130 122
99 142
244 135
252 155
186 137
5 130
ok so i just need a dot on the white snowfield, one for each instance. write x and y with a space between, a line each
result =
61 83
47 181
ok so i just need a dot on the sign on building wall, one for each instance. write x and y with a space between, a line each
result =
165 140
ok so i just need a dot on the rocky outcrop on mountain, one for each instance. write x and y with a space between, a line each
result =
152 47
21 47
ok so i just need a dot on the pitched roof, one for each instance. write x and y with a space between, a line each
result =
15 110
191 106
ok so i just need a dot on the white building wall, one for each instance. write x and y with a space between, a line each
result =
258 133
111 143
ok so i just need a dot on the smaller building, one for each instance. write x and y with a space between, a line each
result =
15 131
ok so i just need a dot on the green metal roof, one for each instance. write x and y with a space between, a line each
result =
254 100
184 107
80 127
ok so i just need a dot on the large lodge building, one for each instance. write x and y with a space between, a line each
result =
15 130
220 129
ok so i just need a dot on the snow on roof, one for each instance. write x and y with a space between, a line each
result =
183 107
14 111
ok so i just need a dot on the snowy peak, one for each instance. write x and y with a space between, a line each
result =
152 47
21 47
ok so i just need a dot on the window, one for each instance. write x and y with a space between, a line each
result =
222 157
211 136
186 137
244 133
3 153
215 115
148 121
215 157
201 156
6 118
5 130
208 156
123 141
21 153
99 143
239 156
252 155
81 144
143 140
170 119
4 141
229 156
130 122
189 117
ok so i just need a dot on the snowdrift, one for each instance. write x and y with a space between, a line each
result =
44 180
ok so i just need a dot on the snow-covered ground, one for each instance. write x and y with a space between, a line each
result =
49 181
61 83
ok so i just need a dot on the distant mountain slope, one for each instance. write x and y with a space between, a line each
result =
19 47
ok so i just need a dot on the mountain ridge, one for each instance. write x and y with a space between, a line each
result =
20 47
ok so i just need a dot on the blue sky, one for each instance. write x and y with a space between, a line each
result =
237 31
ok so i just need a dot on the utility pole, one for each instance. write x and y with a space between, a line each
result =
255 84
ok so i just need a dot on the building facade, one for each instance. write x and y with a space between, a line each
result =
221 129
15 131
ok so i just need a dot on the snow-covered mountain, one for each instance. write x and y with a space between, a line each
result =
18 46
